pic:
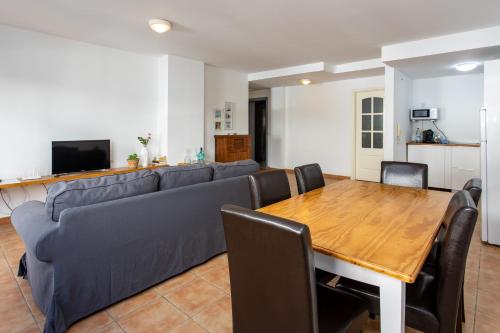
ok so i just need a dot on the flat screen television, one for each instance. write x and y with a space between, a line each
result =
76 156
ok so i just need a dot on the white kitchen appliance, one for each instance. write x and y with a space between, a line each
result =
490 154
424 114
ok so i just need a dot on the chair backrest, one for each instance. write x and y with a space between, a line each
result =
268 187
474 186
271 267
452 260
309 177
404 174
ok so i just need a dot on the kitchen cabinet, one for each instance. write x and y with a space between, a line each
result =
450 166
465 164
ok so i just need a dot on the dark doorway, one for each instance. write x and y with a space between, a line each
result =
257 122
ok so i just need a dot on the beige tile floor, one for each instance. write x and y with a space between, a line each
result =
199 300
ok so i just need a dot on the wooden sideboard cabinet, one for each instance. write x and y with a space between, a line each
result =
230 148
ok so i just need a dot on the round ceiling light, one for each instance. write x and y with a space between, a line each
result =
466 66
160 25
305 82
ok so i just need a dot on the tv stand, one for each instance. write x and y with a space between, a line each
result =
12 183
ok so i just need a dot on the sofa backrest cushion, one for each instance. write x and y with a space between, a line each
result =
234 169
172 177
83 192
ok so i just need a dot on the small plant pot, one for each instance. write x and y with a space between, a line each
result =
133 163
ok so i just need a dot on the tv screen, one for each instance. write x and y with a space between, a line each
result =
76 156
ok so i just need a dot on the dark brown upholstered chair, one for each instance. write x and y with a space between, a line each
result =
309 177
475 187
433 302
271 268
268 187
404 174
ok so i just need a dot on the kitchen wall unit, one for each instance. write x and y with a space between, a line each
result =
450 166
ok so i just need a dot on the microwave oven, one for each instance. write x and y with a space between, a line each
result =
424 114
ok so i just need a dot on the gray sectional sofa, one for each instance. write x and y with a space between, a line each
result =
98 241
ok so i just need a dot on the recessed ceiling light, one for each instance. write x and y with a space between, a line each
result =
305 82
466 66
159 25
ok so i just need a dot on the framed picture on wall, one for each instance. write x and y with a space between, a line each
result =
218 119
228 115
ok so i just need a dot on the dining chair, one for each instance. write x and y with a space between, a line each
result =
434 302
309 177
404 174
475 187
268 187
271 269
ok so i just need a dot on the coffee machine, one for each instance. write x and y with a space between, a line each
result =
428 136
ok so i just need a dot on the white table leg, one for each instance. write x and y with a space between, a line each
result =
392 291
392 305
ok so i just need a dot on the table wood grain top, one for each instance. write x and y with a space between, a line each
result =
386 228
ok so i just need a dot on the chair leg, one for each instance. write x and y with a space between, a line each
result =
460 315
462 305
458 326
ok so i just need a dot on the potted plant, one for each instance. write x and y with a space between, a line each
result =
144 159
133 161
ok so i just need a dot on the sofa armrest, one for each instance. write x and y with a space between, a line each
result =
36 229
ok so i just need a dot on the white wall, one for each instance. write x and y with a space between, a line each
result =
402 103
184 81
261 93
277 136
223 85
459 98
316 123
57 89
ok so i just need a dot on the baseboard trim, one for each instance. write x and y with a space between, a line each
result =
335 177
326 175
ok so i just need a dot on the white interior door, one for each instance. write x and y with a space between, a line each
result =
369 134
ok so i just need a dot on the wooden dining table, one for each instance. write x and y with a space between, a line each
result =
374 233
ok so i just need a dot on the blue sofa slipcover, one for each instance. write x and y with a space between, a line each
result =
98 254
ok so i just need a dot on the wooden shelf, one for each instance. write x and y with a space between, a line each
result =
12 183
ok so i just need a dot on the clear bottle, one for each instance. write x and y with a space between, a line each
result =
418 136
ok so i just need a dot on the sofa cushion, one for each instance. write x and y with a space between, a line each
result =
234 169
83 192
172 177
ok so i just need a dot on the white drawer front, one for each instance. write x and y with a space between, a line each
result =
435 158
465 164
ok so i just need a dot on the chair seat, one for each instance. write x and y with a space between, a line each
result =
420 300
340 311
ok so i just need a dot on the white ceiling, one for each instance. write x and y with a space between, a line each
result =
444 64
255 35
315 77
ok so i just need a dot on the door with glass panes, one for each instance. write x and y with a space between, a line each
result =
369 134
